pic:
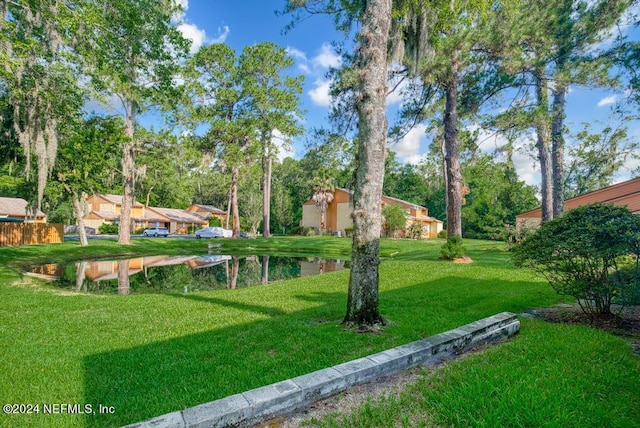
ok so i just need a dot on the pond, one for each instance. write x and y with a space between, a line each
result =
180 274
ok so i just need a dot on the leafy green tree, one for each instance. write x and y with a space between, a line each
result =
131 52
86 160
275 99
293 179
222 86
167 163
596 159
495 197
395 219
581 252
37 82
549 47
442 38
404 181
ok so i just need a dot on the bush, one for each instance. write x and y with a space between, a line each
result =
453 249
304 231
296 230
442 234
215 222
108 229
415 231
627 281
310 231
582 252
394 219
348 231
514 235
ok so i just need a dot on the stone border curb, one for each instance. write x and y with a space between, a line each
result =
262 403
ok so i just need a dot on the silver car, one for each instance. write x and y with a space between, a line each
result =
213 232
156 231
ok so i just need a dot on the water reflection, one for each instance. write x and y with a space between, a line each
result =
181 274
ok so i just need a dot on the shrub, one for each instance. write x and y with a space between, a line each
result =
415 231
215 222
296 230
581 253
514 235
442 234
453 249
108 229
348 231
394 219
310 231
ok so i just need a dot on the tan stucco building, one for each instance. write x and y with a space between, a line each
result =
626 194
338 214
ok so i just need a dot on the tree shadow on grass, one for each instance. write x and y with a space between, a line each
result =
259 309
152 379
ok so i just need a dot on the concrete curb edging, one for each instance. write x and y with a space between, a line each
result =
268 401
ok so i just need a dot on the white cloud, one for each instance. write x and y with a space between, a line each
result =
193 33
408 149
327 57
320 94
607 101
283 144
301 58
222 35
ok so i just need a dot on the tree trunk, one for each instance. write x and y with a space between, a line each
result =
128 174
371 64
544 157
265 270
452 160
235 213
557 149
266 187
124 285
81 276
79 213
235 267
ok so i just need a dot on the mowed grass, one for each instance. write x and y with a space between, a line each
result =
146 355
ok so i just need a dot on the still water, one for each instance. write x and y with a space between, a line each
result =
180 274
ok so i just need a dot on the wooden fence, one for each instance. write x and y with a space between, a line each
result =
12 234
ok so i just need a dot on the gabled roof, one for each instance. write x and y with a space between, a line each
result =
209 208
626 193
178 215
117 199
16 207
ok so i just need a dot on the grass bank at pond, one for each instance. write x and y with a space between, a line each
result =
145 355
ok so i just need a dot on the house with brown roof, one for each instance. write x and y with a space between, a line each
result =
626 194
107 209
16 209
180 221
207 212
338 214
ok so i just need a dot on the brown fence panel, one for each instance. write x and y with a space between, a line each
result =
12 234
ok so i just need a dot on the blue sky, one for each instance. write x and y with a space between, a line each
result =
241 23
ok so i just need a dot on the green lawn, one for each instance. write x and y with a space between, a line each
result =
146 355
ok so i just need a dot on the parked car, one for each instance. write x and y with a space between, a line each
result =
156 231
213 232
